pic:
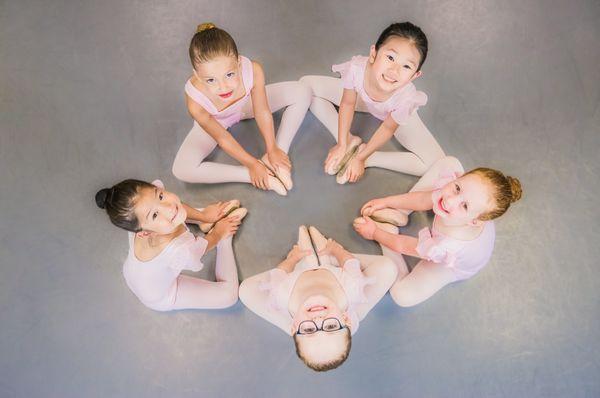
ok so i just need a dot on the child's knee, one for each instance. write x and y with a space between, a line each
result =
304 94
403 297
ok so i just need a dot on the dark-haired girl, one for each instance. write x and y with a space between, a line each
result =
161 246
225 88
380 84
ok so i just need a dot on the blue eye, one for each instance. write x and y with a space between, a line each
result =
210 81
230 74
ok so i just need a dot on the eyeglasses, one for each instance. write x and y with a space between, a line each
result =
328 325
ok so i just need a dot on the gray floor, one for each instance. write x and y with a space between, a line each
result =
92 92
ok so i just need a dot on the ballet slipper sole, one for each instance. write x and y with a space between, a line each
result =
305 243
232 205
276 183
240 213
342 175
317 238
390 216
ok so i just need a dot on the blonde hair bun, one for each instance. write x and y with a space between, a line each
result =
205 26
515 188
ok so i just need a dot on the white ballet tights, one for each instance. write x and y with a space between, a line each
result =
195 293
414 136
189 164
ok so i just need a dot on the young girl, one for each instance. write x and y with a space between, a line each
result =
461 239
161 246
319 298
380 84
225 88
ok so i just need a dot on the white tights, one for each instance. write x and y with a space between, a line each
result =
414 136
189 164
426 277
196 293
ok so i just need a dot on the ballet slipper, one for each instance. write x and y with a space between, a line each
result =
239 213
333 167
390 216
305 243
342 176
320 242
232 205
281 179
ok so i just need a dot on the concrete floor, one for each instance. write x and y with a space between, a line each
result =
92 93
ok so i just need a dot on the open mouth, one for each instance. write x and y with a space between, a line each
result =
317 308
441 206
226 95
386 79
176 213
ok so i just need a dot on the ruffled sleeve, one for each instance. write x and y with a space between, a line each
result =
435 249
354 281
187 253
346 71
410 99
275 280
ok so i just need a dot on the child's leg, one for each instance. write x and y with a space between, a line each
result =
384 271
295 97
327 92
423 282
200 293
190 167
414 136
257 301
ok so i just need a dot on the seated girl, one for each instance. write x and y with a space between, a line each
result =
319 297
161 246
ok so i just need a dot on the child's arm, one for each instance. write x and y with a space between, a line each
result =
382 135
222 229
211 213
402 244
416 201
258 172
345 116
264 119
295 255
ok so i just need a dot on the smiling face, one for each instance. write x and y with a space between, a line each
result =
395 64
220 78
158 210
463 200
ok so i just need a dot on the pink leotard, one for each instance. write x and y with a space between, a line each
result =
464 257
400 105
233 113
154 282
350 277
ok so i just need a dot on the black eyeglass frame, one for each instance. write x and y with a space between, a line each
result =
299 333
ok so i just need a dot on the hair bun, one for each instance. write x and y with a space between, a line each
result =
205 26
101 197
515 188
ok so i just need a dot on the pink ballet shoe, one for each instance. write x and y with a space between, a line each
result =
232 205
390 216
319 241
239 213
305 243
342 176
282 174
333 167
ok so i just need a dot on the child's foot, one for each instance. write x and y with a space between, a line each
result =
343 176
305 244
320 242
281 173
390 216
231 206
333 167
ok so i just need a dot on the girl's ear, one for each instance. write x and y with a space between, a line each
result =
346 318
476 222
143 234
416 75
195 74
372 54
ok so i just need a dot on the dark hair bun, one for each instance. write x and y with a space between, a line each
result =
101 197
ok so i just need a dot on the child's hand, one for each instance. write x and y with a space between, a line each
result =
365 227
332 247
214 212
278 158
297 254
334 157
226 227
373 205
356 169
259 175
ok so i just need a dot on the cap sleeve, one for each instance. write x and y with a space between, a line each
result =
346 71
408 104
354 281
187 254
434 249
